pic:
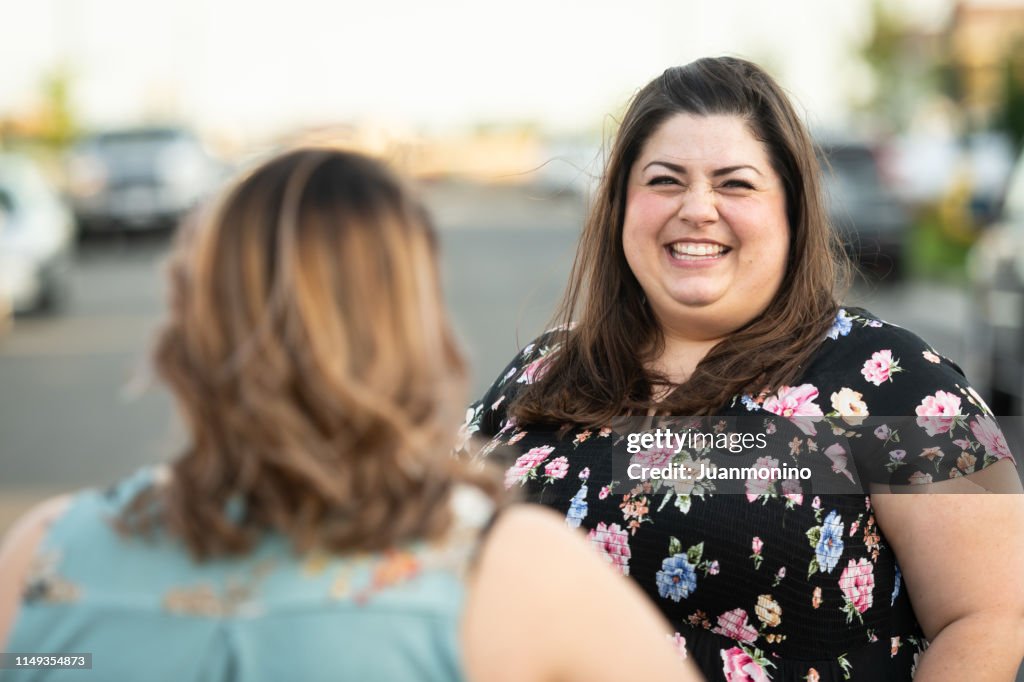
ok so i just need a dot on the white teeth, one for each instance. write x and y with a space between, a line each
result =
688 249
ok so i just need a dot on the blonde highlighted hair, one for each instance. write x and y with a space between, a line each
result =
310 352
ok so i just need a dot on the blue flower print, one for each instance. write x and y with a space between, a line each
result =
896 587
677 578
830 544
841 326
577 508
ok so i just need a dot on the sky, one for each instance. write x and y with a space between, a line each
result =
563 65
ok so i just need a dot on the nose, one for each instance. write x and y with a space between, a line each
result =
698 206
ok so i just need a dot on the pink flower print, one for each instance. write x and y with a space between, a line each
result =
585 474
655 458
526 465
756 545
758 486
883 432
734 624
535 370
837 454
679 643
930 356
605 492
936 412
987 431
517 437
880 367
739 666
613 544
713 568
919 478
497 402
857 582
853 528
816 503
556 468
795 402
792 491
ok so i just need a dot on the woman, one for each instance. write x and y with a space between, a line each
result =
315 527
707 282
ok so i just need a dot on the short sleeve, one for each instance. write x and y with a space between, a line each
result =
488 416
919 419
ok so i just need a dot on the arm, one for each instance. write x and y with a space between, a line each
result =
962 557
16 554
543 607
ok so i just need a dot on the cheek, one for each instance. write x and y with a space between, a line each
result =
646 213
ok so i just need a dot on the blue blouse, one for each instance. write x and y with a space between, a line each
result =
145 610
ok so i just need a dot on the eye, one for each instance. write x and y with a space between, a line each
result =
737 184
662 180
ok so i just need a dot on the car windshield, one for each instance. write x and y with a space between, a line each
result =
853 171
135 152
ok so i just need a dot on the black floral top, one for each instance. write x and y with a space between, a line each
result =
779 583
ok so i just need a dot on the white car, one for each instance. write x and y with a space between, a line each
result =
37 234
138 178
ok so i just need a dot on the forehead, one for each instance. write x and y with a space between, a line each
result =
691 139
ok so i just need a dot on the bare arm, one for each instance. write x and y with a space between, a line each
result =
963 559
16 554
543 607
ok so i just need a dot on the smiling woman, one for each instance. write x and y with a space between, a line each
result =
705 228
708 281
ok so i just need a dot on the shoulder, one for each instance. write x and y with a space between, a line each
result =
488 415
31 526
857 328
865 350
19 548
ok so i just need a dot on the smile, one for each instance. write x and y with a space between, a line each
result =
690 251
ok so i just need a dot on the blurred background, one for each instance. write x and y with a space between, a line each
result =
119 116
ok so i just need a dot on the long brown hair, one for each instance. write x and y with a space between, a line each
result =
309 351
600 370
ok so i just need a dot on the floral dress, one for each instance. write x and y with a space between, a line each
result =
780 583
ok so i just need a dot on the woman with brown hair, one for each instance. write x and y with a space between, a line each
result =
315 526
707 282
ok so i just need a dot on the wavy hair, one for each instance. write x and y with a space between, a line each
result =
309 350
600 371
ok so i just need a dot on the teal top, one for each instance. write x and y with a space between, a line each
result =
146 611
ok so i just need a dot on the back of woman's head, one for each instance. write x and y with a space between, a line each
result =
309 350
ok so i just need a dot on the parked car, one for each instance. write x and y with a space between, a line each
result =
36 238
872 221
995 335
138 178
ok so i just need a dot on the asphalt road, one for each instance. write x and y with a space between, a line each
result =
78 406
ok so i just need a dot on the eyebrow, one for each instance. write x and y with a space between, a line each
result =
716 173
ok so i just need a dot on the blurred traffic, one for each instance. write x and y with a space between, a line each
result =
37 236
138 178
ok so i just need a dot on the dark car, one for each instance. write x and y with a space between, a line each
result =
138 178
995 334
872 222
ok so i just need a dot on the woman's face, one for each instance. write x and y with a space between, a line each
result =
705 232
